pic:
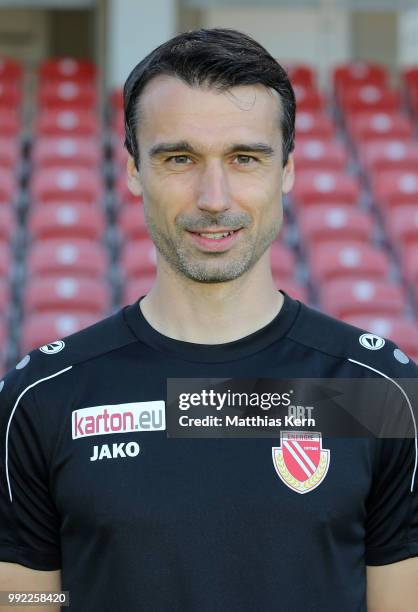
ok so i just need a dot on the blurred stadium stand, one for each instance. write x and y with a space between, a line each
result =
74 245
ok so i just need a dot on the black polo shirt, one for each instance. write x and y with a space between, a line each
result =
90 482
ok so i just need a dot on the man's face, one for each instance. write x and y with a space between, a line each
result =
210 161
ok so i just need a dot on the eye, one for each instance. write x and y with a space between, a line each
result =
245 160
179 159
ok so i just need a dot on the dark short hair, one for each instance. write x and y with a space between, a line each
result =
220 58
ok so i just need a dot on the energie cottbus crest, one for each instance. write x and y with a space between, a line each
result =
300 460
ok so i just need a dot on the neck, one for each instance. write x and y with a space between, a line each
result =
211 313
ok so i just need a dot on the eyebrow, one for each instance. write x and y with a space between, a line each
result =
184 146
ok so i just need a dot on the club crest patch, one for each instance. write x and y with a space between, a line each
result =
300 461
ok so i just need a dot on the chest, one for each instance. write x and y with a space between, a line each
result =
140 480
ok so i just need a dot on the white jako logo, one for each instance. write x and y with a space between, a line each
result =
52 347
372 342
105 451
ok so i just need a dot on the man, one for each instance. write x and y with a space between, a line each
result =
95 498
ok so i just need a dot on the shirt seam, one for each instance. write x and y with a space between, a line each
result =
105 352
318 350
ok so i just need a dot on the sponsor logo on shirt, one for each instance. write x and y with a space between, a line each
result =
118 418
115 451
300 461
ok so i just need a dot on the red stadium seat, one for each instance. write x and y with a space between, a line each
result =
401 223
402 331
72 257
8 186
136 288
326 222
308 99
57 185
9 123
374 126
67 123
132 222
9 153
384 155
138 258
5 261
10 96
69 294
347 297
68 95
7 224
368 98
301 74
325 187
39 329
294 289
66 152
395 188
282 261
314 125
333 260
359 73
315 154
66 221
67 68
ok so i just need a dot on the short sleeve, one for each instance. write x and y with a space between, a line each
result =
392 505
29 521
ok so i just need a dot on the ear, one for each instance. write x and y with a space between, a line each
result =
134 182
288 178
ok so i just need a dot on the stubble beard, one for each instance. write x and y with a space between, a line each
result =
211 267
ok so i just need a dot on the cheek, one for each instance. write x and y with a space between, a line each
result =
164 201
174 189
260 195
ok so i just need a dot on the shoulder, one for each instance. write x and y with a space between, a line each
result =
357 346
60 356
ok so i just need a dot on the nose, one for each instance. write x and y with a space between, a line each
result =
214 193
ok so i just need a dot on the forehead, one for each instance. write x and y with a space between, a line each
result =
171 109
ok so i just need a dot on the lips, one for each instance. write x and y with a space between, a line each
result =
215 244
220 230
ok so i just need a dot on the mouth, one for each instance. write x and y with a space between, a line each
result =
215 241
